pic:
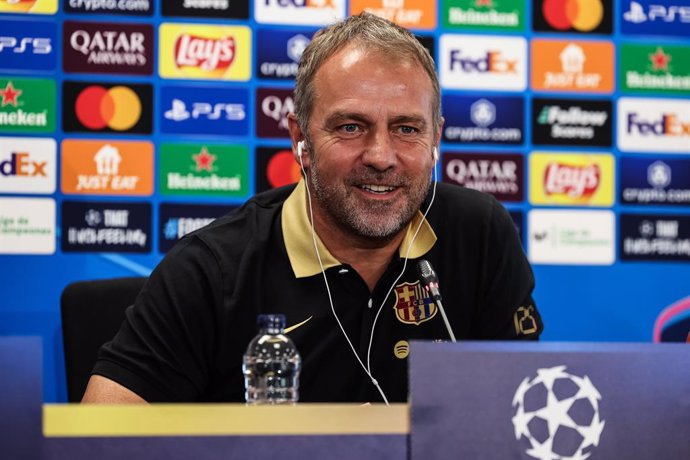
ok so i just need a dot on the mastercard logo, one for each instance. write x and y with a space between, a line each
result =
581 15
282 169
117 108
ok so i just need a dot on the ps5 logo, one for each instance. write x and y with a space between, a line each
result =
26 45
179 112
671 13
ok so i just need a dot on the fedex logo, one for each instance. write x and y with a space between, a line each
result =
27 165
302 12
491 62
301 3
667 125
653 125
483 62
20 164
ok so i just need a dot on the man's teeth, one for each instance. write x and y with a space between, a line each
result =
378 188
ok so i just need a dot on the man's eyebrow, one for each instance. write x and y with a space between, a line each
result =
340 116
417 120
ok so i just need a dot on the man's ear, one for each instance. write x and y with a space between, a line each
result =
299 144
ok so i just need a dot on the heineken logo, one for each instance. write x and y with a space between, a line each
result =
203 169
485 14
27 105
656 68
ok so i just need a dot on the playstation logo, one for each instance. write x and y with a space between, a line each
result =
483 113
635 14
178 112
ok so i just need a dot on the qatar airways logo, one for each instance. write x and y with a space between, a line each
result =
574 181
208 54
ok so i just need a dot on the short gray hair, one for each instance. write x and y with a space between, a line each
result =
370 32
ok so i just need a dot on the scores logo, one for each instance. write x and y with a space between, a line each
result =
578 16
205 52
107 108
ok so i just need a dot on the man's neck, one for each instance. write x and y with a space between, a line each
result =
369 257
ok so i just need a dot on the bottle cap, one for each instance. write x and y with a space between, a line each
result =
273 321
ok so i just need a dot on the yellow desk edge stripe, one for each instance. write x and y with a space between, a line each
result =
75 420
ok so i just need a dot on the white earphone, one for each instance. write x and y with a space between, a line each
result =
434 154
300 147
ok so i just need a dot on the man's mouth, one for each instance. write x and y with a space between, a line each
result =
377 188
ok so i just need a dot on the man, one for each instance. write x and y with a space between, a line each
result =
366 129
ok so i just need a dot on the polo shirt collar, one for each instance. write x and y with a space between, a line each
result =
297 236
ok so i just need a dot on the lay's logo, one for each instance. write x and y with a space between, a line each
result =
205 52
571 179
29 6
299 12
574 181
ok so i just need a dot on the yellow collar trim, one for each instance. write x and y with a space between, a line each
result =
297 236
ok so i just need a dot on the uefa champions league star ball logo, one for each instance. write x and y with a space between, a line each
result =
558 413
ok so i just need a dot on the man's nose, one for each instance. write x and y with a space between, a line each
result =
379 153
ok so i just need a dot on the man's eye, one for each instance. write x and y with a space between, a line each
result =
408 130
349 128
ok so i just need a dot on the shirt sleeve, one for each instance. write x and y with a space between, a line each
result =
164 347
508 310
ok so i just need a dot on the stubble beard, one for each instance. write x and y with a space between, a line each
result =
373 219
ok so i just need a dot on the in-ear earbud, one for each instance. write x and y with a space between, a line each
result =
434 154
300 147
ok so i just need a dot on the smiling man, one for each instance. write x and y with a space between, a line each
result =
337 253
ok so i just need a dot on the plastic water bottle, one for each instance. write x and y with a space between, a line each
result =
271 364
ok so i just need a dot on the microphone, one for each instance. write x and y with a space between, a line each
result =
429 281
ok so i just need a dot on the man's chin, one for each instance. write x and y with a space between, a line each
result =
377 227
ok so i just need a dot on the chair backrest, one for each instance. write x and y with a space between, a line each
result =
92 312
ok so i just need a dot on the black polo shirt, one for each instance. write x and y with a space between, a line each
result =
184 338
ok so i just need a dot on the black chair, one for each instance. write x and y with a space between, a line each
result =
92 312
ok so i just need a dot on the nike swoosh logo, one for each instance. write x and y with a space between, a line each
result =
292 328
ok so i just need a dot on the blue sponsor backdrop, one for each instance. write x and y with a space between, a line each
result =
204 110
27 45
176 220
655 180
582 303
656 17
278 52
490 120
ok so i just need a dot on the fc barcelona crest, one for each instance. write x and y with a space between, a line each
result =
413 305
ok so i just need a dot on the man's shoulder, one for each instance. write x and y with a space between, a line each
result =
456 200
256 218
